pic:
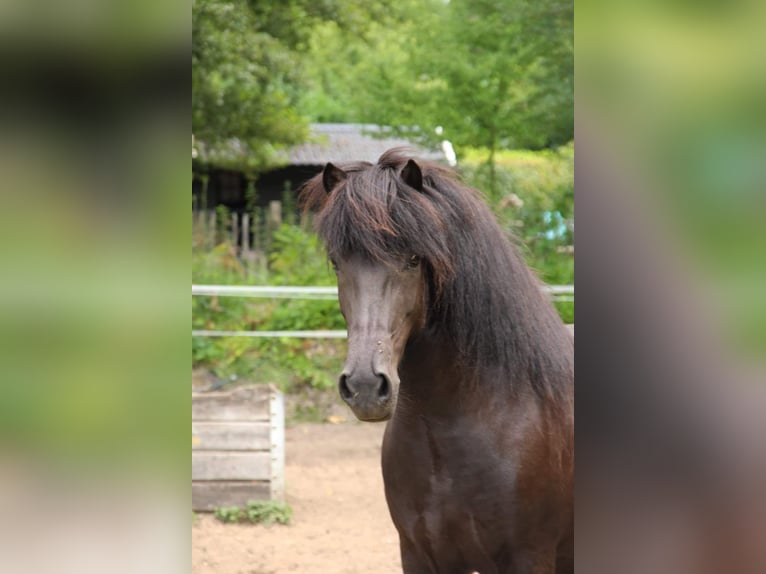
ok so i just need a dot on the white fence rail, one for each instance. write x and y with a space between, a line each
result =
313 292
266 291
290 334
558 292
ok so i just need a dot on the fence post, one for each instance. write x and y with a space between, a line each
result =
257 235
212 219
275 214
199 222
245 235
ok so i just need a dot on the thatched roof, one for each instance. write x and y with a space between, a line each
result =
351 142
327 142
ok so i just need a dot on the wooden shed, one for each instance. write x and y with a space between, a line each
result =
336 143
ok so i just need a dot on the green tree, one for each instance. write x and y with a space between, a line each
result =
246 77
507 70
496 74
251 70
365 73
507 73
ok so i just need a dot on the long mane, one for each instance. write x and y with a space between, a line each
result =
485 300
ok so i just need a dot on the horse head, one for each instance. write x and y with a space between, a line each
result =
384 303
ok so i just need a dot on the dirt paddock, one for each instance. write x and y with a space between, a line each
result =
340 519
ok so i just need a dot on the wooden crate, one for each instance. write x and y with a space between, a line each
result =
238 447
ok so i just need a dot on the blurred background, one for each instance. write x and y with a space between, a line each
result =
94 402
671 338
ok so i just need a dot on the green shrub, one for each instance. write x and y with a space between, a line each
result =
535 204
264 512
296 257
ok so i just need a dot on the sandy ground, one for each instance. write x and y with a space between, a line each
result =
340 518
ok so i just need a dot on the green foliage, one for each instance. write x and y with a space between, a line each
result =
535 204
514 87
296 258
255 61
496 74
367 77
246 76
264 512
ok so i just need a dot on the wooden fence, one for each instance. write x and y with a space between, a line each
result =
249 231
238 447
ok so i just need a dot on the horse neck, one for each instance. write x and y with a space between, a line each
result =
434 381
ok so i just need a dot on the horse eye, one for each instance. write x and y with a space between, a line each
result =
413 262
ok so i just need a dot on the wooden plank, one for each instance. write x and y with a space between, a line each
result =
231 435
243 404
207 496
222 465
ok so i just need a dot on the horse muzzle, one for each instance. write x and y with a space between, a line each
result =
371 396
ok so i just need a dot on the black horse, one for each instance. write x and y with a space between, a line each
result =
452 340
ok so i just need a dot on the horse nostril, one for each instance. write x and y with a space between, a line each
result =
384 389
345 392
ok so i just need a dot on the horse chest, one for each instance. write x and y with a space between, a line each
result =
442 486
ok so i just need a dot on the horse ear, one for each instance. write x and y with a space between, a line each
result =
332 176
412 176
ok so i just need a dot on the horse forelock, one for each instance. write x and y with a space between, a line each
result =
373 213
